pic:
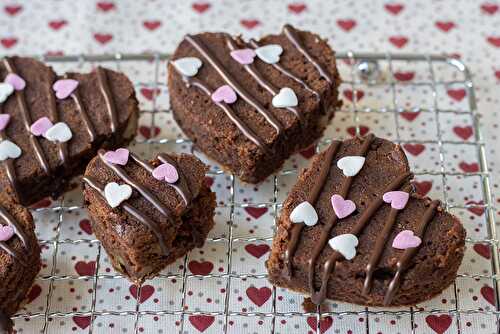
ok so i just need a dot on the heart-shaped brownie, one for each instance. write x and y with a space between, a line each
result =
251 104
376 242
56 124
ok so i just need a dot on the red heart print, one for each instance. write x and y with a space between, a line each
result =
259 296
394 9
201 322
488 294
56 25
8 42
346 25
308 152
103 38
150 93
324 324
209 181
200 268
151 25
483 250
34 293
256 213
489 8
363 130
105 6
145 131
13 9
464 132
297 8
257 250
349 95
497 74
200 7
398 41
85 268
82 322
456 94
249 24
478 210
414 149
495 41
86 226
146 292
438 323
404 76
409 115
445 26
472 167
423 187
43 203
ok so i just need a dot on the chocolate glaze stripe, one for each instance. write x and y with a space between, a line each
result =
142 218
286 72
82 111
379 247
9 167
252 70
149 196
249 133
325 232
21 99
108 97
319 296
63 147
291 34
228 78
181 187
312 198
409 253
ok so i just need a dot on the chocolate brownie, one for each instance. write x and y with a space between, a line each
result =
249 105
51 126
353 229
20 259
147 214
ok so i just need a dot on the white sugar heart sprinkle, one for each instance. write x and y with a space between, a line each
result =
351 165
115 193
304 213
9 150
6 89
187 66
60 132
285 98
269 53
345 244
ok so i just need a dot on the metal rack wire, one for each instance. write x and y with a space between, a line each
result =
353 59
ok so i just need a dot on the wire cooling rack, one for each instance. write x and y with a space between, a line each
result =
370 71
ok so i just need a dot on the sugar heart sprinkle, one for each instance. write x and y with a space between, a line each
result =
41 126
406 239
397 199
269 53
342 207
166 172
16 81
304 213
115 194
6 232
4 121
187 66
243 56
345 244
6 89
9 150
64 88
118 157
224 94
351 165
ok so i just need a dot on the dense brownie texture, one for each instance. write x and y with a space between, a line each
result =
19 258
133 247
212 130
32 181
429 271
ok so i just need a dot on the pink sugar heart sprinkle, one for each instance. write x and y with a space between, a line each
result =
243 56
224 93
118 157
41 126
342 207
64 87
397 199
166 172
16 81
6 232
4 121
406 239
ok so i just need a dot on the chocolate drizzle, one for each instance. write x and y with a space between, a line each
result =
228 78
82 111
253 71
108 97
292 36
404 262
7 217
